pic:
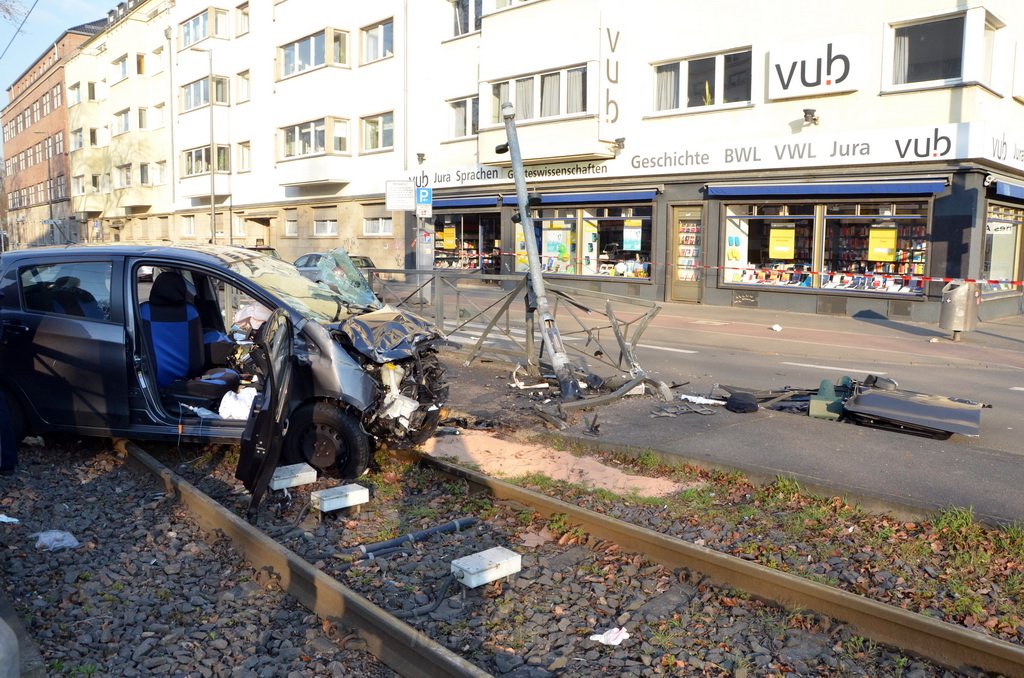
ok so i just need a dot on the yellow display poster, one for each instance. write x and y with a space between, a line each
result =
882 244
782 242
449 239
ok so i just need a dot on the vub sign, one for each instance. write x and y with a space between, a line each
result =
814 69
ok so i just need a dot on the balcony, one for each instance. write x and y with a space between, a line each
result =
136 196
198 185
548 141
316 169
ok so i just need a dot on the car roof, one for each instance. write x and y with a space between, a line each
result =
185 252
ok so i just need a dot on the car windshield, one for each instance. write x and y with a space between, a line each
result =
339 272
321 302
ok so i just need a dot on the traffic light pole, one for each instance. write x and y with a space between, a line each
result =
549 332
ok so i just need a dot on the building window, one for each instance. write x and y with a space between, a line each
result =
378 132
704 87
929 51
377 226
78 185
325 222
157 119
144 174
465 117
197 160
339 47
865 247
302 55
291 223
57 93
563 90
159 172
243 93
143 114
1003 230
306 138
46 103
196 94
613 240
121 124
90 91
123 176
244 156
467 15
340 135
121 68
76 139
242 19
94 183
378 41
198 27
140 64
188 225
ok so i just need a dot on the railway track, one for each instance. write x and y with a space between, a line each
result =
689 609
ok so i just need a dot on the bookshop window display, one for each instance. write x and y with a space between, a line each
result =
1002 249
878 247
610 241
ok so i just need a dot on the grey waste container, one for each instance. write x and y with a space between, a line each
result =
959 311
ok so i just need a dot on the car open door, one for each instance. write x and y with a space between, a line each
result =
268 419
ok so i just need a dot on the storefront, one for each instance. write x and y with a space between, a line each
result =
467 234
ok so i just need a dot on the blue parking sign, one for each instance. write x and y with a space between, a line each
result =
424 196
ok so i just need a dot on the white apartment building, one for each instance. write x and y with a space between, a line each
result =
849 161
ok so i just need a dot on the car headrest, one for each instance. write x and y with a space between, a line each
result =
168 290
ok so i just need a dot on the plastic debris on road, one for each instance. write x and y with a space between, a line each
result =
611 636
699 400
53 540
776 328
6 519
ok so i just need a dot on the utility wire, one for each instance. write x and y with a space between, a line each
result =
27 15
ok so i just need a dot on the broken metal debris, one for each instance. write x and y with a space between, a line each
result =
683 408
591 428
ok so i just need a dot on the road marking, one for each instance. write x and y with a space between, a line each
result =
665 348
1017 388
838 369
709 322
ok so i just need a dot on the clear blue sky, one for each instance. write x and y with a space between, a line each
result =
48 20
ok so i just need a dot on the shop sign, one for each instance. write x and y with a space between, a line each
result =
814 69
994 229
882 244
400 195
782 241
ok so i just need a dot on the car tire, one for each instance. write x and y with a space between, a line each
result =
324 435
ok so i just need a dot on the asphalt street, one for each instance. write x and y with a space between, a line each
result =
762 349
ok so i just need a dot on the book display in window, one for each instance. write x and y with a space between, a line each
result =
688 259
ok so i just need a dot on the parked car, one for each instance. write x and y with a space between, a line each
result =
320 265
89 347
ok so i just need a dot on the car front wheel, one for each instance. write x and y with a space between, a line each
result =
323 435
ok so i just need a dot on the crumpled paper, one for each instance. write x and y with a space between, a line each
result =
611 636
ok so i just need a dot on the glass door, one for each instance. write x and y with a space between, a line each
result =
686 254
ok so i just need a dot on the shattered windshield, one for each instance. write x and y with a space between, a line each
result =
338 272
321 302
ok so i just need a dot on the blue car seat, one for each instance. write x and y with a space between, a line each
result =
70 299
174 331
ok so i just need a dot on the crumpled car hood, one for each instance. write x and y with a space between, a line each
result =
388 334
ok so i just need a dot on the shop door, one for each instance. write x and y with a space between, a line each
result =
686 254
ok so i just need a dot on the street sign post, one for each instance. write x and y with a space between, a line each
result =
424 202
400 196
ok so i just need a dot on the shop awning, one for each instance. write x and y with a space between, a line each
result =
471 201
583 198
920 187
1008 190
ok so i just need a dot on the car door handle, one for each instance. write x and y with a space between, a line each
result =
14 327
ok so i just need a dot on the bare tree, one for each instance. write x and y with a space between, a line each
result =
11 10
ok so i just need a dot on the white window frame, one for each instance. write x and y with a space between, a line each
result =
121 69
465 117
195 161
377 136
123 176
142 117
77 139
188 225
242 19
325 228
244 160
303 55
195 29
303 139
376 39
78 184
339 133
678 101
291 223
526 92
466 16
145 179
122 121
74 97
243 88
378 226
196 94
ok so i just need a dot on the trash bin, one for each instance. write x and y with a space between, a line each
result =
959 312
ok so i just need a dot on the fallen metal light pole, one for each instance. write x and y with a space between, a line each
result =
549 331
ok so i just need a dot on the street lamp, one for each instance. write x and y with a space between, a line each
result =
213 148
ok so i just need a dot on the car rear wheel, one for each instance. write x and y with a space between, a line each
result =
324 435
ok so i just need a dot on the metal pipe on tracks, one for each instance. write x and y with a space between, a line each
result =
947 644
395 643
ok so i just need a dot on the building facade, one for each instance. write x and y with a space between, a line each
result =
849 162
35 149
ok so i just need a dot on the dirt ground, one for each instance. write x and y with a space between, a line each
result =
489 425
